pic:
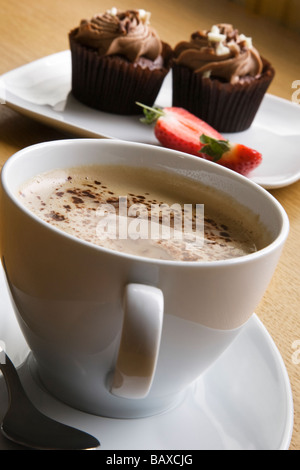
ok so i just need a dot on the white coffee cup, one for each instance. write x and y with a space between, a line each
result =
120 335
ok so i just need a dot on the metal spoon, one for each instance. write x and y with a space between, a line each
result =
25 425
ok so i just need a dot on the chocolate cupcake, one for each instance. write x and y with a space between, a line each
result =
117 60
220 77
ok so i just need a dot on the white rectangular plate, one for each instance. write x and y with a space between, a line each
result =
41 90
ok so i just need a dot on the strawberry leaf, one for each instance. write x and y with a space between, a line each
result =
151 114
214 148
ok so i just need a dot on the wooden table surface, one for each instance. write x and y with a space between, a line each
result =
32 29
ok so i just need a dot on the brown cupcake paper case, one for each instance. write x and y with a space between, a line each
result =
226 107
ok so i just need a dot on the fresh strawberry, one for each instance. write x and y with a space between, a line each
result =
178 129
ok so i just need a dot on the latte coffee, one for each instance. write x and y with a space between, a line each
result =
144 212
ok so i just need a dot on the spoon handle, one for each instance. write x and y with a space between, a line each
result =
13 382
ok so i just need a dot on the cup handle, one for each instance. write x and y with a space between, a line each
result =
140 341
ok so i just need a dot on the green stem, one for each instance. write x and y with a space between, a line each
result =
152 114
213 147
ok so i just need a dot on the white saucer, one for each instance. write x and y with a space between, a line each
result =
243 402
41 90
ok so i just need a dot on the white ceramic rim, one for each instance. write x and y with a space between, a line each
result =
279 240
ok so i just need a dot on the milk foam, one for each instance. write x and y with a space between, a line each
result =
72 200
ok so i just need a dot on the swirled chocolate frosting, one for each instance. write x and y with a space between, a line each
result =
121 33
221 53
